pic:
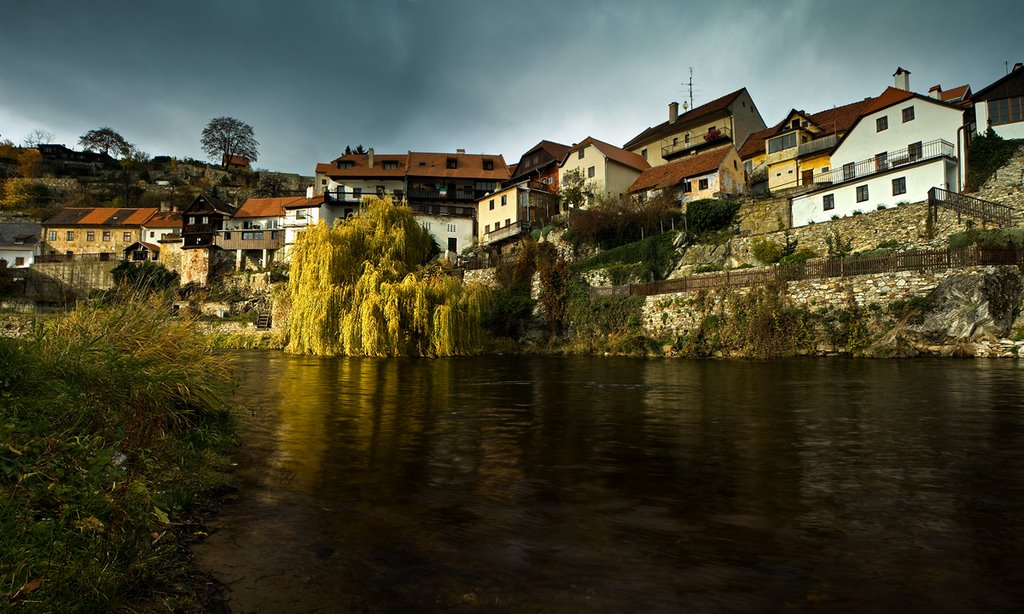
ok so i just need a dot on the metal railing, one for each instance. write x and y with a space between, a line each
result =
883 162
431 194
825 142
697 140
986 210
505 232
823 269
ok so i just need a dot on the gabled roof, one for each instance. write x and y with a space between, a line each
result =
955 94
467 166
359 166
264 207
164 219
302 202
697 113
993 89
153 247
20 234
617 154
555 151
100 217
673 173
215 203
893 96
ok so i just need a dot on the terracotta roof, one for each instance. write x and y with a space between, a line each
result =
626 158
265 207
673 173
956 94
150 246
302 202
101 216
468 166
360 166
839 119
754 145
235 160
694 114
164 219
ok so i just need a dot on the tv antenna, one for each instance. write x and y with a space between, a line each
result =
689 88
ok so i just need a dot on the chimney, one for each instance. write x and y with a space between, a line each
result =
369 157
164 206
309 191
935 92
673 112
902 77
460 151
1017 66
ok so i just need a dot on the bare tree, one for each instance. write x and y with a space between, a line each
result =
38 137
225 137
103 140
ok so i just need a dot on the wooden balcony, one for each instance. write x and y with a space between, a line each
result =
250 239
511 230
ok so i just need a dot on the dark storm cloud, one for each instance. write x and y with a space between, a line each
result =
436 75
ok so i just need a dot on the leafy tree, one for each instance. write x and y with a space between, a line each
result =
103 140
575 189
38 137
224 137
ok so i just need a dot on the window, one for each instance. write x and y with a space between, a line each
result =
426 225
451 163
152 235
227 236
497 225
90 235
702 184
508 221
323 182
488 165
504 199
579 156
19 261
491 207
487 228
1006 110
687 187
590 172
779 143
191 219
849 170
71 235
106 235
206 219
52 236
882 123
915 151
748 166
357 193
828 202
675 140
127 237
899 186
862 193
795 124
882 161
390 165
451 227
380 190
643 154
908 114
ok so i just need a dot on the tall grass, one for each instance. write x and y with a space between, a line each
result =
112 421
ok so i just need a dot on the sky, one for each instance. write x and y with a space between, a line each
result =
489 77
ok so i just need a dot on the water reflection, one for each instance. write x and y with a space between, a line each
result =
555 484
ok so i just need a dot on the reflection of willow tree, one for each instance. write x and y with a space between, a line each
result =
358 289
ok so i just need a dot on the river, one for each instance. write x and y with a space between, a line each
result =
588 484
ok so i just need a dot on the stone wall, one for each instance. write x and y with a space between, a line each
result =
1006 186
483 276
760 215
80 275
195 266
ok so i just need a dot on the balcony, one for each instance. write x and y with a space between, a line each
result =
697 141
448 195
353 197
250 239
881 163
511 230
825 142
443 210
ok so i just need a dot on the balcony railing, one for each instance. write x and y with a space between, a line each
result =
443 210
887 161
697 141
825 142
450 195
355 198
508 231
250 239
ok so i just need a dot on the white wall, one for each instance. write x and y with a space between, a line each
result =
443 227
939 172
931 121
10 254
1007 131
153 235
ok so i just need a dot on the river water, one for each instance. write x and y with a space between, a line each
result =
541 484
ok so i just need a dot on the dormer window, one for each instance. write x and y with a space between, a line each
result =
451 163
344 164
390 165
488 165
795 124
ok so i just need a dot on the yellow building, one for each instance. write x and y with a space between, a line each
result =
609 169
706 175
104 231
514 211
728 120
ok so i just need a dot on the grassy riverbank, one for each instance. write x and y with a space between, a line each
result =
113 426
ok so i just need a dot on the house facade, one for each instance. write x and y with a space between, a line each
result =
727 120
255 234
1000 106
609 169
901 146
20 243
705 175
104 231
203 220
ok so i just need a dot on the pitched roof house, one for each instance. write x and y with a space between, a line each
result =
610 169
728 119
1000 105
94 230
697 176
20 243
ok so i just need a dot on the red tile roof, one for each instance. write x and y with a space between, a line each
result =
694 114
673 173
100 216
626 158
302 202
360 166
467 166
265 207
164 219
956 94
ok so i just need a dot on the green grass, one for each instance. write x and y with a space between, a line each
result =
113 423
654 254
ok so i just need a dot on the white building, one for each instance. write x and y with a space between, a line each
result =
900 147
19 244
610 169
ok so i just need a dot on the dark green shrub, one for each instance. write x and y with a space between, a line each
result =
765 250
995 237
709 268
710 214
802 255
988 153
144 276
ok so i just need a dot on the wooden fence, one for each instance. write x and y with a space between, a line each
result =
824 269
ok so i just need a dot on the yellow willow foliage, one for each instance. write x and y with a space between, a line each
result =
358 289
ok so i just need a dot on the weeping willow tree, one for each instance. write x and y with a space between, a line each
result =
360 289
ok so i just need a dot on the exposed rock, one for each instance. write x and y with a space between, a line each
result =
972 307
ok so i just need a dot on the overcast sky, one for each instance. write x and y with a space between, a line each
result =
489 77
